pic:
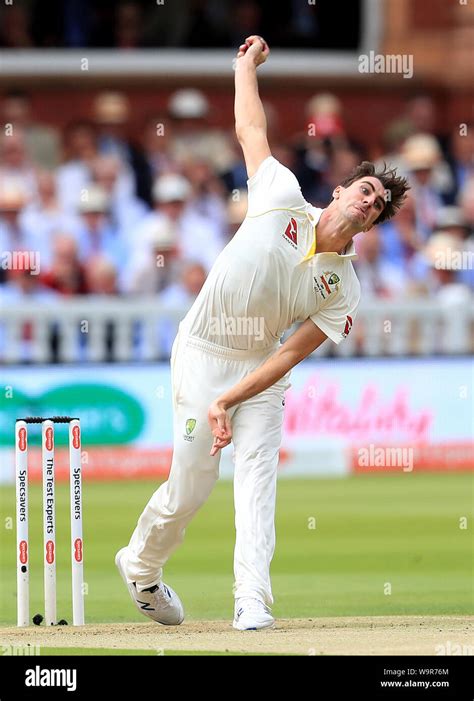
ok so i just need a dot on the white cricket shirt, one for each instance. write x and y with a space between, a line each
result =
269 275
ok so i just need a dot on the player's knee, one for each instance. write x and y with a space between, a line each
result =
257 457
199 485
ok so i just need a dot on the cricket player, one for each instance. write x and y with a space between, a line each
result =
288 262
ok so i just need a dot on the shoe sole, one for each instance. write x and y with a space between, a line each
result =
118 564
236 625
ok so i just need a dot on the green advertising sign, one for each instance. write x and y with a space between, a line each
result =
109 416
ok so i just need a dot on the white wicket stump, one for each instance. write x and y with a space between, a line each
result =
75 484
49 523
22 544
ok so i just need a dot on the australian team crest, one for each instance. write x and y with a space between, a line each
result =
190 426
327 283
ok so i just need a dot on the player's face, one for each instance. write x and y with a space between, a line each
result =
363 202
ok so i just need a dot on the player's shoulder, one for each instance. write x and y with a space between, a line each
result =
271 167
341 279
352 286
274 186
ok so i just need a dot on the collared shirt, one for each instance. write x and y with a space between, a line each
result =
270 276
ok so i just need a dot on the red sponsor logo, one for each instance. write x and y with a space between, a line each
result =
22 439
48 437
78 550
76 437
50 552
292 230
23 552
348 326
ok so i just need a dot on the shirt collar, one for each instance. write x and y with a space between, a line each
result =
314 215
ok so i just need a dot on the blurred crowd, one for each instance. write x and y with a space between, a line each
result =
110 213
133 24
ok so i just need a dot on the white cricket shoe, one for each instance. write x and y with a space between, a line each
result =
159 602
251 614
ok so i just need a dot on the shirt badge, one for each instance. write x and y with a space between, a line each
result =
327 283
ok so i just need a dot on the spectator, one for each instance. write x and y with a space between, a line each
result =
153 265
208 192
399 237
41 141
461 159
421 154
197 237
15 235
393 140
466 202
111 113
419 117
421 114
125 209
453 299
23 284
155 141
96 235
341 162
323 133
45 216
451 221
442 254
15 162
325 115
235 176
101 276
80 146
193 137
378 276
66 274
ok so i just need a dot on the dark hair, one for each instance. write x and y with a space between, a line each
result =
395 186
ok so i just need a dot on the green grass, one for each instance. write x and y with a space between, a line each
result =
397 530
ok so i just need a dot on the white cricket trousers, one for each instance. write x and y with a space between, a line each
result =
202 371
